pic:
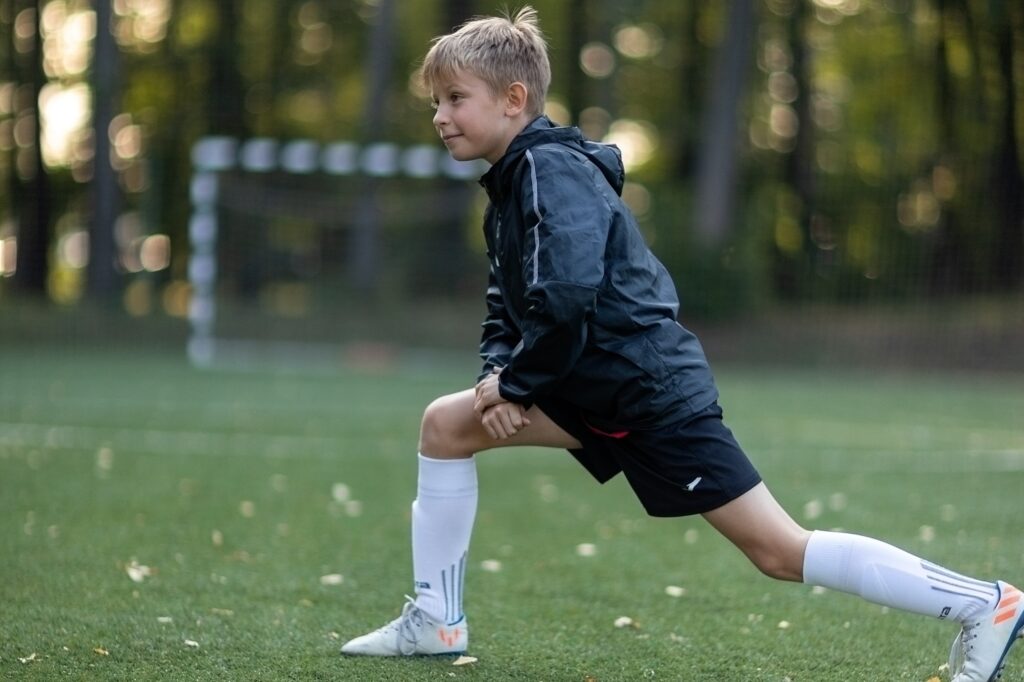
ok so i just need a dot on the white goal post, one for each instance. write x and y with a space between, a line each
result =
212 156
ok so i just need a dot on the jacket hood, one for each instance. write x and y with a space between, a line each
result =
542 130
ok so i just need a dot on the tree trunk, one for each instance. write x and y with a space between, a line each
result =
456 13
945 246
798 168
575 20
226 100
716 177
364 254
1008 185
102 275
689 86
34 215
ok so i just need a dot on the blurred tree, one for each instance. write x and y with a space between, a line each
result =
102 274
226 97
572 82
798 172
456 13
364 260
949 158
8 109
31 179
1008 183
716 176
689 81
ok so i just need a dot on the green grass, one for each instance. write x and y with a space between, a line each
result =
110 456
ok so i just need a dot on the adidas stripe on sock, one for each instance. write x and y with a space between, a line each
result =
886 575
442 523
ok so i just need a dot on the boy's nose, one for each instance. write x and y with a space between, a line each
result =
440 117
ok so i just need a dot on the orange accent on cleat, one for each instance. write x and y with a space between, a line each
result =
449 637
1004 610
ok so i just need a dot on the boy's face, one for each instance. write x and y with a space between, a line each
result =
473 122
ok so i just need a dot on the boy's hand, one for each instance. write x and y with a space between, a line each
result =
504 420
500 418
487 392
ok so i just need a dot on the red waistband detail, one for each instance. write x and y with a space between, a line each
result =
607 434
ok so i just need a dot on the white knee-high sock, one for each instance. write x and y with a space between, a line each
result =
442 522
883 574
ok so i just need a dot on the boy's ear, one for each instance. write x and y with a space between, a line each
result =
515 99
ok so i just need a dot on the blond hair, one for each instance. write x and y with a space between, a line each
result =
497 50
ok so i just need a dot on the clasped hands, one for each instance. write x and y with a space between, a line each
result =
500 418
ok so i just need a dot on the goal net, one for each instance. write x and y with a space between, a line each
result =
300 250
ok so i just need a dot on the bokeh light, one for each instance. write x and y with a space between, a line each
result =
8 256
65 111
595 122
597 60
638 41
141 24
638 141
557 111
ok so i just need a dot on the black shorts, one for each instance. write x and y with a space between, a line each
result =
686 467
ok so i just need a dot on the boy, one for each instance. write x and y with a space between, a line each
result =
582 351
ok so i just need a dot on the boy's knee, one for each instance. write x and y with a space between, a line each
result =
432 426
440 433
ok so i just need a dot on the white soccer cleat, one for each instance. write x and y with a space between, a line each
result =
979 651
413 633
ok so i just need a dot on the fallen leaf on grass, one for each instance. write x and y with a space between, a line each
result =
626 622
491 565
464 660
164 619
813 509
101 651
332 579
675 591
340 492
192 644
586 549
934 679
138 572
104 461
221 612
837 501
31 658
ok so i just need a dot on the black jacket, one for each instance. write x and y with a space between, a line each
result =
578 308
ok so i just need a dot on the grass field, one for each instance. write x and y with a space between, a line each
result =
163 523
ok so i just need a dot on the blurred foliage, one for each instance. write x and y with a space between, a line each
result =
877 142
